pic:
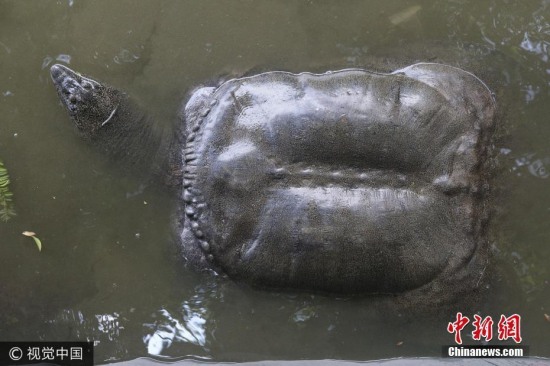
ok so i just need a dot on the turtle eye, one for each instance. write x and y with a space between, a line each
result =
72 99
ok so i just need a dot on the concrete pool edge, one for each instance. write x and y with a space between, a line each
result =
417 361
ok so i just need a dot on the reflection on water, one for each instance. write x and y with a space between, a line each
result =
102 329
95 279
167 330
109 325
535 166
48 60
125 56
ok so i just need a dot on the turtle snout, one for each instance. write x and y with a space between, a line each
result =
59 73
71 88
56 72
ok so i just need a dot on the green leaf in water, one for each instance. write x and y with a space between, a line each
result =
38 243
36 240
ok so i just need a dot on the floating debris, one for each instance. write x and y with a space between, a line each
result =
47 60
64 58
304 314
6 48
125 56
36 240
404 15
537 168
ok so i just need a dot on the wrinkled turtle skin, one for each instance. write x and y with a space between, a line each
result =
345 182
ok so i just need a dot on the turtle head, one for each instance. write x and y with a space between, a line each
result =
90 104
117 126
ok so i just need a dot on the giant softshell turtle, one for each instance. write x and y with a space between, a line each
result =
344 182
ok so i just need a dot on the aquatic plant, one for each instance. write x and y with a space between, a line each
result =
6 203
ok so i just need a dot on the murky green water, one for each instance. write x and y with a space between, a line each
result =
109 270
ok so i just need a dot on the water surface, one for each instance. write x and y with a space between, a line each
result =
109 270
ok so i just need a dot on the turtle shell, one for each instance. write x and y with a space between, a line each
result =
349 181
